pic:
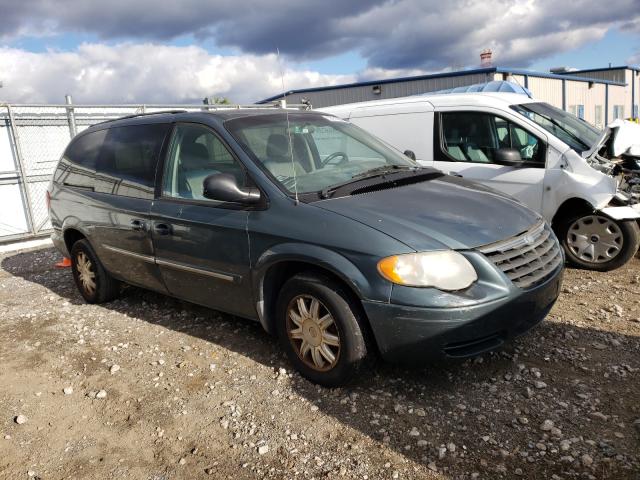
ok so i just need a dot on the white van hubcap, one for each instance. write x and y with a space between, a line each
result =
595 239
313 332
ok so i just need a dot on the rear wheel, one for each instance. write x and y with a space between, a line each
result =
93 281
597 242
320 329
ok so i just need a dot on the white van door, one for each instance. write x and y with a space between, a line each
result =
477 145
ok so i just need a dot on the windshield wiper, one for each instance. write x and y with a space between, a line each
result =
372 173
379 171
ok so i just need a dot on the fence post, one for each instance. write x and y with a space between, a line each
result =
21 171
71 116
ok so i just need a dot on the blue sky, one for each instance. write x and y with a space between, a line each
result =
151 51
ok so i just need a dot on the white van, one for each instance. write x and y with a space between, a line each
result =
580 179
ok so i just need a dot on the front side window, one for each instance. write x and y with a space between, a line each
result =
195 153
128 160
576 133
475 137
308 153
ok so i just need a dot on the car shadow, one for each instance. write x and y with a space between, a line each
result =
456 417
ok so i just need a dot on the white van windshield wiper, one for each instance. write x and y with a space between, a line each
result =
367 174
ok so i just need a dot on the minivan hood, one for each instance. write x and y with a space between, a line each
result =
447 212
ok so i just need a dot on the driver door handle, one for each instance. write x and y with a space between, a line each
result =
455 174
138 225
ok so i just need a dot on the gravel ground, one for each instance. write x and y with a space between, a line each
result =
148 387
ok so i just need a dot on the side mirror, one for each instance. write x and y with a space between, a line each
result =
508 156
410 154
224 187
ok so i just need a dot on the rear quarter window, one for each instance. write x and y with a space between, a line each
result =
77 167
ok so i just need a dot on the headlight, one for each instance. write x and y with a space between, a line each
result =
445 270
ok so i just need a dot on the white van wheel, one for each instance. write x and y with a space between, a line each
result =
597 242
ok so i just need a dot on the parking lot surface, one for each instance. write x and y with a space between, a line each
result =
147 387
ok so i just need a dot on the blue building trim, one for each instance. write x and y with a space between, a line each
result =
606 104
604 69
459 73
634 113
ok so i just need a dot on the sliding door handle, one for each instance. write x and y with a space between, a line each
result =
162 228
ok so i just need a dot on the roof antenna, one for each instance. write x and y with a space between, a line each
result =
293 165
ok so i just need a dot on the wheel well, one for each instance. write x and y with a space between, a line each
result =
570 207
71 236
279 273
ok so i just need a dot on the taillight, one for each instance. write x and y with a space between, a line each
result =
48 200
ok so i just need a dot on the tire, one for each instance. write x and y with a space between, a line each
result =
585 238
344 337
93 281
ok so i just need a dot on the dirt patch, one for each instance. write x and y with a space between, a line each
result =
200 394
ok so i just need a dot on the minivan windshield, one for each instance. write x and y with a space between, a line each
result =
573 131
313 152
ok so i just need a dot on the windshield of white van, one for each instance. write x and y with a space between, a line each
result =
312 153
573 131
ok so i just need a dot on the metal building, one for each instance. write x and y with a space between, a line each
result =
626 74
597 100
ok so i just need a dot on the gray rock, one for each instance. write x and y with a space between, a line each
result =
546 425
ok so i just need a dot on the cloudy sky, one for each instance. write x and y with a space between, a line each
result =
181 51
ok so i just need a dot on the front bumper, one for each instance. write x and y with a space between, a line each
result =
416 334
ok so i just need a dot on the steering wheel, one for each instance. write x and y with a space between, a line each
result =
326 161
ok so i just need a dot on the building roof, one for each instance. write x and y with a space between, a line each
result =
603 69
459 73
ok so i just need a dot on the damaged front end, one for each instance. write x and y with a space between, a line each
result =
617 154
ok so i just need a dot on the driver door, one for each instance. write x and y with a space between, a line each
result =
201 245
468 141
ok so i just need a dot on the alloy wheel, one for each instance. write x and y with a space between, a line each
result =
595 239
313 332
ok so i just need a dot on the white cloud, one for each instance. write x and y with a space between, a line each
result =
388 34
150 73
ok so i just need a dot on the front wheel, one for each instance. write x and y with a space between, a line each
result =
320 329
596 242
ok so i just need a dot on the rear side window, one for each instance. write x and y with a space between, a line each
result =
78 165
127 162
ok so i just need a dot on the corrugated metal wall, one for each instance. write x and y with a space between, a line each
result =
341 96
547 90
614 75
621 75
589 98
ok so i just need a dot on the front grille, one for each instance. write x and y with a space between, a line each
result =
529 258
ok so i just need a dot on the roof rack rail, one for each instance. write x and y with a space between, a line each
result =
210 107
142 114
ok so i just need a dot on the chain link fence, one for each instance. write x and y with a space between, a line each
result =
32 139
